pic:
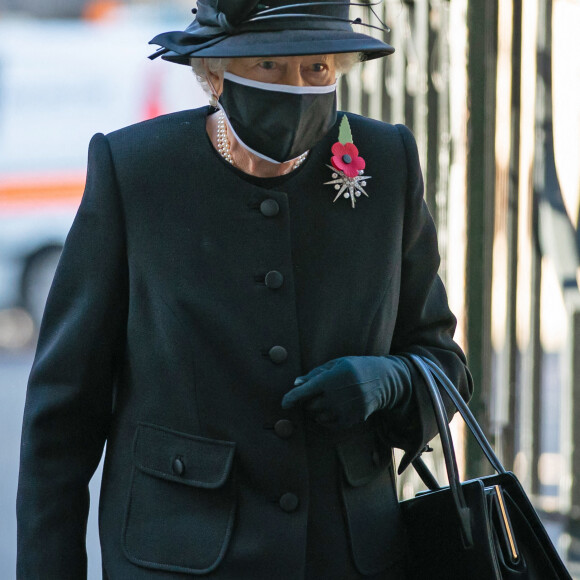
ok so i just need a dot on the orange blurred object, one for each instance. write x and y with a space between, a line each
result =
96 10
153 96
20 192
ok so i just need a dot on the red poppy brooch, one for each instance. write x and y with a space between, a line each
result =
348 166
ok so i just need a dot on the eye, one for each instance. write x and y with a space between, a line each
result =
267 64
318 67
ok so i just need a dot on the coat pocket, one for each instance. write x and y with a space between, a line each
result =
371 504
182 500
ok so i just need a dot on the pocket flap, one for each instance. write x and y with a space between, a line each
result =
362 459
187 459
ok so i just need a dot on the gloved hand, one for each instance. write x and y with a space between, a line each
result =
346 390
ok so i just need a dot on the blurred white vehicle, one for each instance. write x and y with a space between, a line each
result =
35 216
61 82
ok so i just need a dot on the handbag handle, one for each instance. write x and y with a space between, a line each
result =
465 413
463 512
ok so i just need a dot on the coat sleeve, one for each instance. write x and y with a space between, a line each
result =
425 325
70 390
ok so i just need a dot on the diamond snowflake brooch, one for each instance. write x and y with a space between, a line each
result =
348 166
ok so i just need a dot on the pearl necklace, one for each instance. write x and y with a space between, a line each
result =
223 144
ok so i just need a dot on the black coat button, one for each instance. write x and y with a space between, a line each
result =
278 354
269 207
178 466
289 502
274 279
284 428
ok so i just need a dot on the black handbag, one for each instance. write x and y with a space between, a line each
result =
482 529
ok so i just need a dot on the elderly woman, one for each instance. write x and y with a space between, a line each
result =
231 315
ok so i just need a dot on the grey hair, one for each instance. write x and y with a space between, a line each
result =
344 62
215 65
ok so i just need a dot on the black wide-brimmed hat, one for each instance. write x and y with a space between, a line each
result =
242 28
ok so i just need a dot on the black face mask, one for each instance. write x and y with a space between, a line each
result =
277 122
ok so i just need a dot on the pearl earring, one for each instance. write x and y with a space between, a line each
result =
213 101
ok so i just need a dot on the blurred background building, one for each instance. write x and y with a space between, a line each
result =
71 8
490 89
39 9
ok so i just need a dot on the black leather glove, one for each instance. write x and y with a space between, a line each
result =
345 391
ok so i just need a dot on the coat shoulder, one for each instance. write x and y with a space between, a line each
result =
167 134
368 123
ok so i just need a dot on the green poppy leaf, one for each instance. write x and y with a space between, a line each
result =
344 132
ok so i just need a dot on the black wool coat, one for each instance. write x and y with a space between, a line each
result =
186 302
